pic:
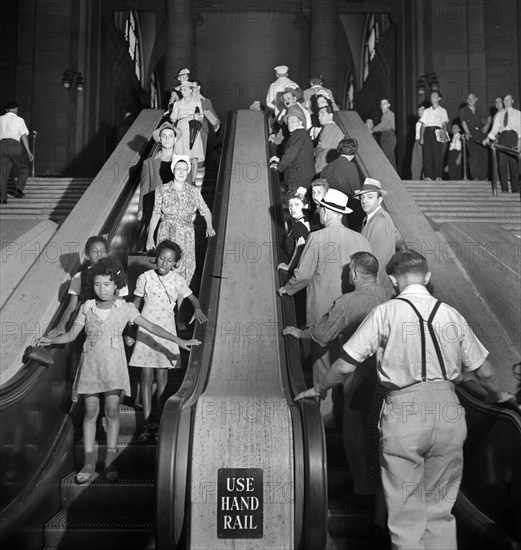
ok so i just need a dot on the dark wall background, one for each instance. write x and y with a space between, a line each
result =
236 54
470 45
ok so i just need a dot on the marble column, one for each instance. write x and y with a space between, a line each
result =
180 40
323 57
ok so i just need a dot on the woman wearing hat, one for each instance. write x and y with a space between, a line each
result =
175 205
156 170
183 111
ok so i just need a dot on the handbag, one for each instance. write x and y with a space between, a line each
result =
39 353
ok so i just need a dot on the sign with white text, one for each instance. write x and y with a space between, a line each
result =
240 503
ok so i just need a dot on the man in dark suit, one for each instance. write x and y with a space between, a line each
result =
342 174
297 161
378 227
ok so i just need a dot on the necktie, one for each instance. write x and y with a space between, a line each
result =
505 118
364 223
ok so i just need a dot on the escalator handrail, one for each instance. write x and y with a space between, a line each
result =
309 442
172 468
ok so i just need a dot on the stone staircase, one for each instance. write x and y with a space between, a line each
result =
466 201
45 198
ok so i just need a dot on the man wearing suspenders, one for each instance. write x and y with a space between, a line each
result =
421 347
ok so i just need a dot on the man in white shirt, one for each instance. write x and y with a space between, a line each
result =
506 129
433 135
422 424
14 150
278 86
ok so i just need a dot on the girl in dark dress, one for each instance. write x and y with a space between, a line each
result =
295 239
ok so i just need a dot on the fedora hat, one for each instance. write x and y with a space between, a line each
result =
180 158
156 134
336 200
295 111
370 186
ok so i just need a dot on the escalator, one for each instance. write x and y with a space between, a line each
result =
42 505
40 448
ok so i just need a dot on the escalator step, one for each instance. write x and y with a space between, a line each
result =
133 489
132 455
348 519
349 543
100 529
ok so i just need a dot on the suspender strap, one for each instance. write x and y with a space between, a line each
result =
422 333
433 337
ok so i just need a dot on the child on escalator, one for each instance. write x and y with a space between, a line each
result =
158 290
103 366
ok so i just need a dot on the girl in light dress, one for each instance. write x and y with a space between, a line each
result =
159 290
103 366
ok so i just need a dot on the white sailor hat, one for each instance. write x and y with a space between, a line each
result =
282 69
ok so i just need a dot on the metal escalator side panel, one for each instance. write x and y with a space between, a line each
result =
491 481
175 436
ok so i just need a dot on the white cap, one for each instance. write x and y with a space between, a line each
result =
282 69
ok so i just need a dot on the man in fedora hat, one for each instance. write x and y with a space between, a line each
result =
378 226
297 160
321 270
151 173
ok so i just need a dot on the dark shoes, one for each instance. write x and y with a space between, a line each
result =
18 194
149 434
3 202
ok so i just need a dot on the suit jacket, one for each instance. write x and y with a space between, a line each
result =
322 267
328 140
297 160
342 174
149 179
385 239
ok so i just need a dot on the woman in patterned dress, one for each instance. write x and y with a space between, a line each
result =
175 205
103 364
